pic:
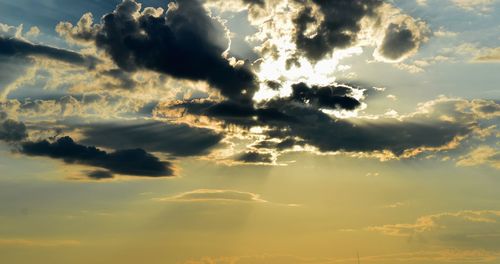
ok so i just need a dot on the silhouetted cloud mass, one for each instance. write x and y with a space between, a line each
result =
185 42
398 41
255 157
136 162
233 113
15 47
275 112
307 122
178 140
255 2
11 130
100 175
331 97
339 27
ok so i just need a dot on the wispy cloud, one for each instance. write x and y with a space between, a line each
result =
481 6
19 242
468 223
482 155
215 195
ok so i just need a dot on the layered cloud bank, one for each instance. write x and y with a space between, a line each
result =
141 86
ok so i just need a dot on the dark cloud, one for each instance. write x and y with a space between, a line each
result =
184 43
255 157
231 109
313 127
381 135
338 29
233 113
135 162
100 175
397 42
178 140
286 143
275 111
289 143
273 85
230 112
11 130
321 26
15 47
255 2
331 97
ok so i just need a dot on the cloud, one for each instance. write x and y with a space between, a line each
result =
37 243
463 228
331 97
320 28
485 109
422 2
287 143
21 61
325 97
441 32
397 42
488 55
84 32
437 125
255 2
402 35
185 42
10 47
482 155
230 113
33 32
135 162
203 195
175 139
255 157
189 43
393 205
8 31
86 107
334 24
373 136
100 175
11 130
480 6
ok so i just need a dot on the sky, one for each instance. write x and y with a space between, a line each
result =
249 131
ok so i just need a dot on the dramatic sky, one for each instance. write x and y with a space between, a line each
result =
249 131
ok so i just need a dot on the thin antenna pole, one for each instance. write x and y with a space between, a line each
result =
358 257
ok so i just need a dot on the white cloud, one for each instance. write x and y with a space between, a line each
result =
203 195
480 6
482 155
421 2
33 32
